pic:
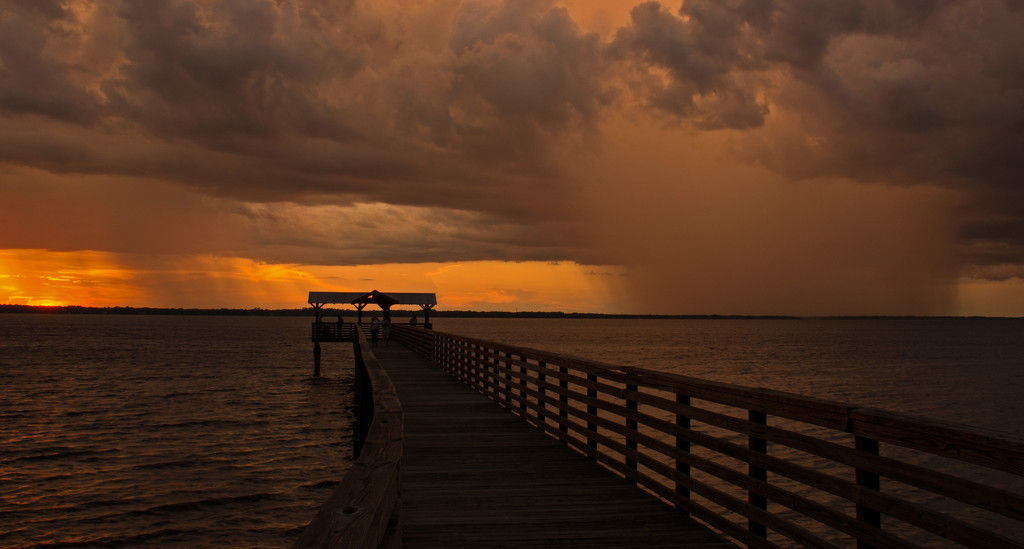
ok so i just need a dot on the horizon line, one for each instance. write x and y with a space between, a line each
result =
452 313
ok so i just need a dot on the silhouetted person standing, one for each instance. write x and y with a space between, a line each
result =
386 327
374 330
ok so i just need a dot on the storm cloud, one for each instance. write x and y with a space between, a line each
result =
352 132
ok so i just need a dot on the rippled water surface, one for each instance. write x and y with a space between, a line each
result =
191 431
968 371
170 431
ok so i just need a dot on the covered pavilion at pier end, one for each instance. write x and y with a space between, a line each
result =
426 302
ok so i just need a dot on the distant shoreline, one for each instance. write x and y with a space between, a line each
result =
328 312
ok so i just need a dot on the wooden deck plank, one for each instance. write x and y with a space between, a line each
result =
476 475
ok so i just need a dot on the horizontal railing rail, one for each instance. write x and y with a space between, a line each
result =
767 468
420 340
364 510
334 331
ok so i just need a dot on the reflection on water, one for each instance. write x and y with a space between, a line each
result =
166 430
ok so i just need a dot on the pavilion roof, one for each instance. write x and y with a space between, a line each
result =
389 298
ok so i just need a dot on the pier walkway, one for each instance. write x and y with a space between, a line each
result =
475 475
485 444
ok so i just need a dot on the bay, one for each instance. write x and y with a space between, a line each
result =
962 370
165 431
192 431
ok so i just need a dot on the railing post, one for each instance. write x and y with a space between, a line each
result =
591 411
508 378
492 378
871 481
563 384
462 360
541 380
454 357
682 447
484 365
360 389
522 383
450 356
631 425
459 361
474 370
435 347
757 473
438 353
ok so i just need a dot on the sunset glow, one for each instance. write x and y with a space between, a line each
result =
104 280
697 157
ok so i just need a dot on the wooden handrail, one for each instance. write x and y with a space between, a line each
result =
334 331
364 510
765 467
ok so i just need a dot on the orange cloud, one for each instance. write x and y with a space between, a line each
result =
40 277
102 279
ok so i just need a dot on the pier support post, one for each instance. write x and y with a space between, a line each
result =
316 359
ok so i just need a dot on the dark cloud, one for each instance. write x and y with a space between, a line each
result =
701 55
902 93
32 80
520 73
484 111
300 101
226 72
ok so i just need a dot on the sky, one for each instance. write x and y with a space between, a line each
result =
799 157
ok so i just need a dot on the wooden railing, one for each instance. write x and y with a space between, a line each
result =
334 331
364 510
767 468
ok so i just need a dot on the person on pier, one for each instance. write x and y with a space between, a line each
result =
385 327
374 330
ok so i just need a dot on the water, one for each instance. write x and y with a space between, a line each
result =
169 431
190 431
968 371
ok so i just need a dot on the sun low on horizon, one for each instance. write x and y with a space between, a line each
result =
614 156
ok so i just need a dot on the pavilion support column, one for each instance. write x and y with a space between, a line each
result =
426 315
316 359
318 307
360 307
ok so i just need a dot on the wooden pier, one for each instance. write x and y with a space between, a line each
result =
469 443
474 475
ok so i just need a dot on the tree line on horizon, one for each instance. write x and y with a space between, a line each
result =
435 313
330 311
